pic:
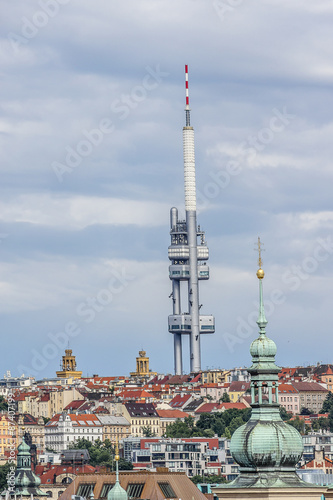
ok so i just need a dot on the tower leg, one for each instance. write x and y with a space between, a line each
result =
193 296
177 336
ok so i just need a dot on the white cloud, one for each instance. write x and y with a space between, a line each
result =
78 212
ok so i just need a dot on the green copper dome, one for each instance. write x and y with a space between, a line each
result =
263 347
117 493
266 445
23 449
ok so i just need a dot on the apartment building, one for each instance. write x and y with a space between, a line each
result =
141 416
64 429
115 428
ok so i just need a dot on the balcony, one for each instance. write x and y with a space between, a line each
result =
182 252
181 323
182 272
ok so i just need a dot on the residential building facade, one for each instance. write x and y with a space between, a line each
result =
64 429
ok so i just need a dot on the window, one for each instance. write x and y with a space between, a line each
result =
85 489
105 489
167 490
134 490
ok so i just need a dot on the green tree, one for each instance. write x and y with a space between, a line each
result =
328 403
297 423
324 423
300 425
210 479
330 419
315 425
225 398
101 453
3 404
147 431
206 421
189 421
178 429
305 411
235 423
284 414
4 470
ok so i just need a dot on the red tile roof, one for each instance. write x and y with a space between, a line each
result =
134 394
238 386
74 405
48 476
81 420
238 406
179 400
287 388
171 414
309 386
208 407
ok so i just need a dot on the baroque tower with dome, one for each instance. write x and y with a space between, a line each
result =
266 448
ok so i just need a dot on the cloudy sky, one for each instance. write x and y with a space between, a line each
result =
92 109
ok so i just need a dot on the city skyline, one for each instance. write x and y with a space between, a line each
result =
92 116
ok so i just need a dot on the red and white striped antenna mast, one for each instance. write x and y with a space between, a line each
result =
187 108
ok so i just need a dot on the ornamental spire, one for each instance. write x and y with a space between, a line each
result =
117 492
116 457
262 321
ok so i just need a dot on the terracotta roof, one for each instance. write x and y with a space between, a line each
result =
181 485
313 464
74 405
179 379
101 409
81 420
48 476
134 394
238 386
287 388
86 419
208 407
179 400
308 386
171 414
196 378
238 406
27 419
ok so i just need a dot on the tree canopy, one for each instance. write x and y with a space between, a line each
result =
221 423
210 479
101 453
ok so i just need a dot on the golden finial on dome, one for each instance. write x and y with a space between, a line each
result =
260 272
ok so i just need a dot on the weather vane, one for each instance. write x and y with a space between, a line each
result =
260 272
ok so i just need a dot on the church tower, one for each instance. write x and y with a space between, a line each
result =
266 448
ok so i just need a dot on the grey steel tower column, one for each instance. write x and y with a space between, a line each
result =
177 338
193 292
